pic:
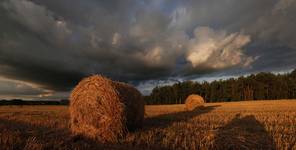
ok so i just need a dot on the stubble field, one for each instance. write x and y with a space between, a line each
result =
235 125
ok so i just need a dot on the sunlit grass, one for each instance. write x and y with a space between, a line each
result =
238 125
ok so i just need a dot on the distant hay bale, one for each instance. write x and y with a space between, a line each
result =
105 110
194 101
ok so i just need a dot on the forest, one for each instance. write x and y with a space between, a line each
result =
261 86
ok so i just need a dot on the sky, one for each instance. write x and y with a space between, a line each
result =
48 46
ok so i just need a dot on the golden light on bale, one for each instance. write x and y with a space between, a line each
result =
193 102
105 110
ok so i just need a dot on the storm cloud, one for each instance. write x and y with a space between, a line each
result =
52 44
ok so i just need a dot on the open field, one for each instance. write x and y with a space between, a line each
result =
234 125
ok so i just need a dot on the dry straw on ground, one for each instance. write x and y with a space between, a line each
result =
105 110
231 125
194 101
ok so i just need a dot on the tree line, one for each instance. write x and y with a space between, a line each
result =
261 86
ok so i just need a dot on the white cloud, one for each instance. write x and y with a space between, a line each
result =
180 18
217 49
153 57
116 39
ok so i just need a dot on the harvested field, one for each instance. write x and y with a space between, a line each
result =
236 125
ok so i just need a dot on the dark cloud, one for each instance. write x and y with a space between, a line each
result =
13 88
55 43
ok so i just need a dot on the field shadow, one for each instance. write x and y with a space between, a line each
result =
21 135
17 134
165 120
243 133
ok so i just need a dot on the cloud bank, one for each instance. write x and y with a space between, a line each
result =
53 44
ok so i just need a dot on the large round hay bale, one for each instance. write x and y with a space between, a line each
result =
105 110
194 101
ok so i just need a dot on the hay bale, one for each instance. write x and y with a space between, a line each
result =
105 110
194 101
